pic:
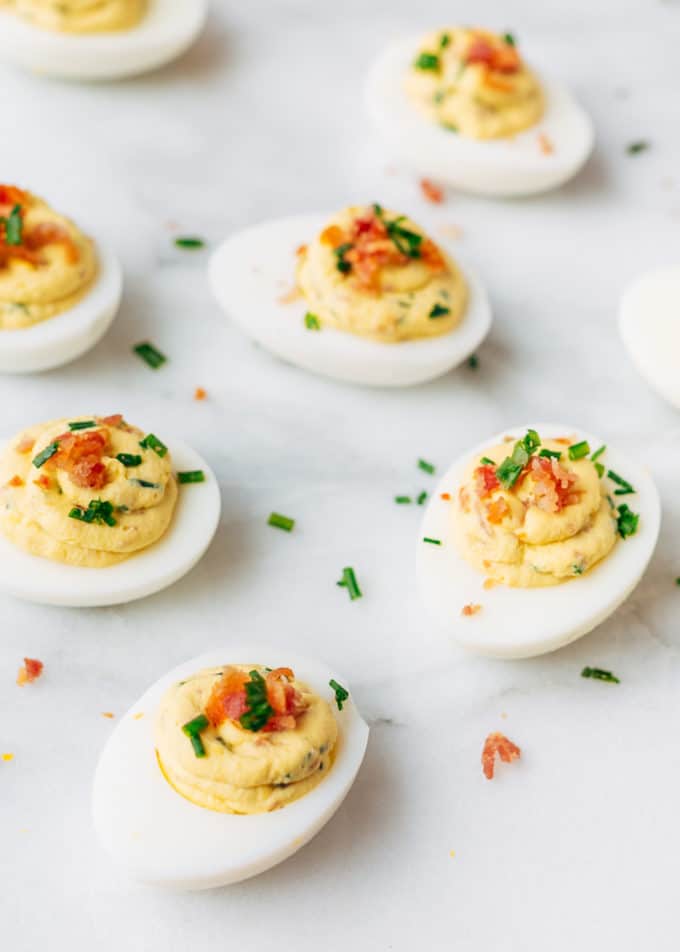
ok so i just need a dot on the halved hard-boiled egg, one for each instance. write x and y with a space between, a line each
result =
59 290
533 538
94 511
97 39
366 297
461 106
225 767
649 320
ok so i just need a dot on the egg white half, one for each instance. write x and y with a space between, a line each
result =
169 28
253 270
649 320
192 528
163 839
500 167
523 622
67 336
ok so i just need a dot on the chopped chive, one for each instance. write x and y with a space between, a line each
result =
189 241
550 454
425 466
402 500
191 476
677 581
438 310
349 581
82 425
473 362
599 468
577 569
145 484
343 266
98 511
444 41
509 38
150 355
511 468
626 488
432 541
421 498
627 521
281 522
129 459
598 453
579 450
634 148
487 461
599 674
14 226
312 322
151 442
341 694
193 729
427 61
449 126
259 709
45 454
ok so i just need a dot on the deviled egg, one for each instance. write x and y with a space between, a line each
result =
97 39
221 771
366 297
649 320
533 539
94 511
59 292
460 105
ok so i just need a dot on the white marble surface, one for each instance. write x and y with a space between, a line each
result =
577 845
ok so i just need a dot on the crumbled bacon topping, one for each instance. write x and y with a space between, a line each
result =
471 609
200 393
228 699
494 744
485 480
500 56
497 509
81 455
15 482
33 239
30 671
43 482
445 496
10 196
433 193
552 487
114 420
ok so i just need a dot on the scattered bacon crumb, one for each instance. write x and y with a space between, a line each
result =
300 250
108 714
114 420
502 58
81 455
471 609
200 393
228 700
16 481
564 440
553 485
433 193
497 83
545 144
497 743
30 671
497 510
446 496
8 757
485 480
25 445
44 482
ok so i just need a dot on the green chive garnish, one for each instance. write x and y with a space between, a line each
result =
438 310
193 729
259 709
577 569
150 355
598 453
427 61
14 226
432 541
444 41
344 267
421 498
349 582
636 147
550 454
627 521
579 450
509 38
281 522
98 511
599 674
341 694
189 241
406 241
599 469
511 468
402 500
626 488
191 476
151 442
425 466
486 461
473 362
145 484
677 581
129 459
45 454
312 322
82 425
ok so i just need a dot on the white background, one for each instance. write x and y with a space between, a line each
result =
577 845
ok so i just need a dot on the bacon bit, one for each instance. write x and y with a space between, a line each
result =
501 57
114 420
80 455
564 440
446 496
8 757
200 393
489 583
496 510
432 256
300 250
290 296
464 499
30 671
497 743
545 144
433 193
108 714
485 480
495 82
43 482
10 196
471 609
486 564
25 445
15 482
49 233
228 699
553 484
333 235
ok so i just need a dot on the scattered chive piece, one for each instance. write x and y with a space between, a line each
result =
444 41
421 498
151 442
598 453
486 461
510 469
259 709
281 522
189 241
579 450
150 355
427 61
193 729
600 469
551 454
14 226
432 541
636 147
509 38
98 511
600 675
402 500
473 362
191 476
129 459
341 694
449 126
626 488
425 466
344 267
349 581
406 241
677 581
312 322
627 521
438 310
45 454
82 425
577 569
145 484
